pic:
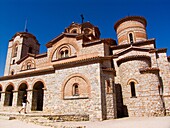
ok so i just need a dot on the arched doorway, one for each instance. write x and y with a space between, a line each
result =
8 95
21 92
37 96
0 91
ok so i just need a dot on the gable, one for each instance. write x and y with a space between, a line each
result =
28 63
61 37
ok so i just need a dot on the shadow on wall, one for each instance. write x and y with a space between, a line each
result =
122 110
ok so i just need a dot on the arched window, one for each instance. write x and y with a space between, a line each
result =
133 91
13 62
64 52
12 72
28 66
0 92
74 31
108 86
15 50
131 38
75 89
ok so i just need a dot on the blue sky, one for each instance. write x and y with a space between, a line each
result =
48 18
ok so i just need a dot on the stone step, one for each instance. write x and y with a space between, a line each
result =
39 119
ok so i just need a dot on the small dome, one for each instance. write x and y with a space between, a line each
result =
131 29
85 28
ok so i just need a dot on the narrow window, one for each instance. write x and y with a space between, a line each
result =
131 38
108 86
29 66
62 54
0 92
66 53
30 50
13 62
133 91
12 73
74 31
15 50
75 90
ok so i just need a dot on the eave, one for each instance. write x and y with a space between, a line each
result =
84 61
29 74
141 43
149 70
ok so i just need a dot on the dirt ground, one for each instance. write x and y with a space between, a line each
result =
142 122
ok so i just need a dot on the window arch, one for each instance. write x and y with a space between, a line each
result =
75 89
108 86
132 83
12 72
13 62
15 50
133 90
76 86
74 31
28 65
64 52
131 38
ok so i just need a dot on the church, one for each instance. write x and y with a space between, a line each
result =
87 76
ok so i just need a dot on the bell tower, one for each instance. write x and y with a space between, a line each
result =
131 29
19 46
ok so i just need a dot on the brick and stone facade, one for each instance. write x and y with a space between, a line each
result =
84 75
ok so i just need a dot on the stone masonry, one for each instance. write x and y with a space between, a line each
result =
82 75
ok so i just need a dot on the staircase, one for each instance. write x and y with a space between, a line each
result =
39 118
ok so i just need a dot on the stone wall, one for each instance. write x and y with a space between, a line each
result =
53 99
163 65
147 101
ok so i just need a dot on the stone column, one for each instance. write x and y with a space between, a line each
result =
29 98
15 98
2 100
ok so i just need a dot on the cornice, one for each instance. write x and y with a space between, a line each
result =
140 43
149 70
162 50
81 61
29 74
112 70
130 18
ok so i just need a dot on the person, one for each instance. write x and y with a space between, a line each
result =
24 104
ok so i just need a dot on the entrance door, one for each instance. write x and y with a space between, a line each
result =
37 97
